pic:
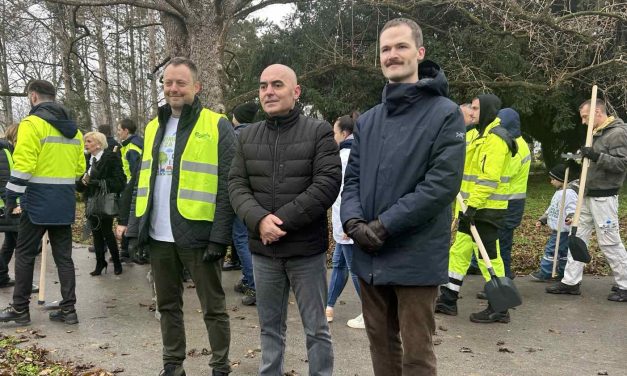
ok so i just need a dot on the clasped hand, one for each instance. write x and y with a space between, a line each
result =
269 229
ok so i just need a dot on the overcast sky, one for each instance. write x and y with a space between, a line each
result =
274 13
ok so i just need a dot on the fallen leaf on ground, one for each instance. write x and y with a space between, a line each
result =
205 352
506 350
437 341
603 372
465 350
500 343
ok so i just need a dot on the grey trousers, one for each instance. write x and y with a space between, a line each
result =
308 279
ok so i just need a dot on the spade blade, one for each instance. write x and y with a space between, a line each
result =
502 293
578 249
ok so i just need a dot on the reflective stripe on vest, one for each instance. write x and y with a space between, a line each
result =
198 170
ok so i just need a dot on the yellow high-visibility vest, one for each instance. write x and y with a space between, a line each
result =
198 169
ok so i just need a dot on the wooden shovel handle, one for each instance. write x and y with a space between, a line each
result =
560 223
586 162
475 235
42 272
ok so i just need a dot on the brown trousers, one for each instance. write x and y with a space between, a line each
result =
392 312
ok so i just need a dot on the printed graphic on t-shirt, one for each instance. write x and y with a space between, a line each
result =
166 154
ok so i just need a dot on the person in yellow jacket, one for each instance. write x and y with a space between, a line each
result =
48 160
485 190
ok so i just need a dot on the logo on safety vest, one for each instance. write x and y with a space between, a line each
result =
202 136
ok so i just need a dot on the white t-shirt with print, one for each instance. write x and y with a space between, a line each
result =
160 226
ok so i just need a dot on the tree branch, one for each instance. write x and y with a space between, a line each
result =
12 94
155 5
243 13
617 15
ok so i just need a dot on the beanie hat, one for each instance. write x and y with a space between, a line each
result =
558 172
245 113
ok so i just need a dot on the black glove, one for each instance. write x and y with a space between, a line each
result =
379 230
363 235
469 215
214 252
588 152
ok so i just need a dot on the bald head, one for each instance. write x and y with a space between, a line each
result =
278 89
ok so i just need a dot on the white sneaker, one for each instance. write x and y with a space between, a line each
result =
357 322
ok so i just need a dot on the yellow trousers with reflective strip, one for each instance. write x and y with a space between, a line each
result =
459 261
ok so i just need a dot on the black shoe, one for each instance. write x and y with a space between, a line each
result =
99 268
482 295
615 288
240 287
445 307
117 268
538 276
69 317
11 314
250 297
172 370
215 372
228 266
619 295
8 283
488 315
562 288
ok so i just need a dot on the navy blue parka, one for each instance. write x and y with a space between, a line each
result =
405 168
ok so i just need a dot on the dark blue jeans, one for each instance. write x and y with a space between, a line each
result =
240 242
546 264
342 258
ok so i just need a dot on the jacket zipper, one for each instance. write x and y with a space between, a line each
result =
483 164
274 169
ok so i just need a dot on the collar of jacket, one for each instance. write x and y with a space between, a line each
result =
346 144
285 121
606 124
134 138
189 114
57 116
400 97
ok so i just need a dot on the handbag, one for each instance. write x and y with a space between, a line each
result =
103 203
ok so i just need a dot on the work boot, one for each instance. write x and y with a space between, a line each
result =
67 316
240 286
172 370
250 297
231 265
619 295
446 302
219 373
9 314
562 288
488 315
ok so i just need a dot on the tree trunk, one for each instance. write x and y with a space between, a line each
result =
103 84
152 46
7 104
205 46
133 68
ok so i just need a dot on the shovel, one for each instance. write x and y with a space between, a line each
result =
501 291
577 247
560 221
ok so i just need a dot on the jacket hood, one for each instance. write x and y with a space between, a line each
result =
510 120
134 139
489 105
57 116
432 81
617 122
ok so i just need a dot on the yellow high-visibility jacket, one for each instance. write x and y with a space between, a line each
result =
48 159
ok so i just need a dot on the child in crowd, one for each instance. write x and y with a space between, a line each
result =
551 218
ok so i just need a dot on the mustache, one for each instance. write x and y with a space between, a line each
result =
393 62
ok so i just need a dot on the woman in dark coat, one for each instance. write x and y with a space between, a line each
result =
10 233
104 167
